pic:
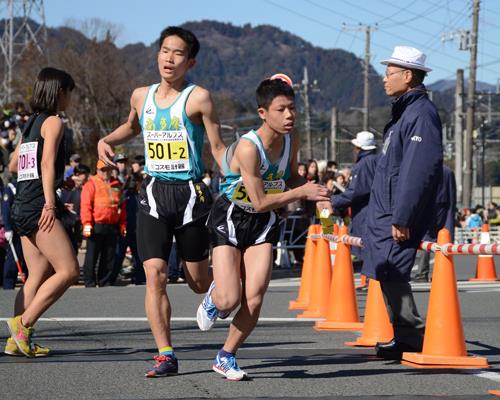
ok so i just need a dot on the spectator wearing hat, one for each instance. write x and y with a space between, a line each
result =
121 170
402 205
104 217
74 161
357 193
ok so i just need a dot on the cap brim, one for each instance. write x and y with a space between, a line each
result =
357 144
407 65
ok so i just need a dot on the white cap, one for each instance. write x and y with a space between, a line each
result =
408 57
365 140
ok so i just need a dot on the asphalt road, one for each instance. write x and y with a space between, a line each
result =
101 346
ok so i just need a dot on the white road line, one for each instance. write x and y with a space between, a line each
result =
492 376
144 319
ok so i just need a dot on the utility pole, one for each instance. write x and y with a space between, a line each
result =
368 29
303 88
468 142
333 134
459 131
18 34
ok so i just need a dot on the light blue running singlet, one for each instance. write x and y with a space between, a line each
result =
273 175
173 144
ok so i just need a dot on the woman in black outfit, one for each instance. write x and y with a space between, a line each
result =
39 161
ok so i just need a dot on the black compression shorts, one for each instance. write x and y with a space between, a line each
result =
232 226
173 208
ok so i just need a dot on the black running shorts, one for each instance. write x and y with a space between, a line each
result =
232 226
173 208
25 215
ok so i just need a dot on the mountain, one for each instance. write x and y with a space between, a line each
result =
233 60
444 85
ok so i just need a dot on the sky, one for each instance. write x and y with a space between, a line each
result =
324 23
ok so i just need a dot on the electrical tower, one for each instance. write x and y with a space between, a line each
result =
22 24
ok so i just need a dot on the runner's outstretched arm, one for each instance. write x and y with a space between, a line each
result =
124 132
249 161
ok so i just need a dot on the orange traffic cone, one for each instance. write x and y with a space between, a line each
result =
321 273
485 267
342 313
307 271
362 284
377 326
494 392
444 343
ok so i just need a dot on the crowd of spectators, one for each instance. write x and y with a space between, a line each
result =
126 178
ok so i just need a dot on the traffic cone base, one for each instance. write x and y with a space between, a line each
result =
419 360
338 326
297 305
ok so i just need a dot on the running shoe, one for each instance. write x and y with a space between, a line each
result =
21 335
165 366
228 367
207 312
12 350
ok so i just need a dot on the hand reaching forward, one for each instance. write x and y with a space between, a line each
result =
315 192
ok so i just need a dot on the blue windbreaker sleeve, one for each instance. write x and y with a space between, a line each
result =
361 184
345 199
421 164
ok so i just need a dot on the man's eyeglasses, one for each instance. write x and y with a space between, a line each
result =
388 74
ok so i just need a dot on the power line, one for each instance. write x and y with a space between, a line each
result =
392 34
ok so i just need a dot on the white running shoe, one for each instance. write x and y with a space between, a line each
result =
207 312
228 367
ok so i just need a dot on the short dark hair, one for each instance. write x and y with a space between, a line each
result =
269 89
187 36
331 163
81 169
48 84
418 76
139 159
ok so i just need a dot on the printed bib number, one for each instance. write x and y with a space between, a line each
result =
167 151
27 168
240 195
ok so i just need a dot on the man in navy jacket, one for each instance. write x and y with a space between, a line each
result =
402 202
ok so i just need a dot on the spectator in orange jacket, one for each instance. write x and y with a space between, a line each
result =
104 217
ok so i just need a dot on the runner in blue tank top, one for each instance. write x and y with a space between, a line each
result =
244 226
173 117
